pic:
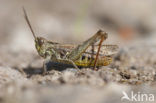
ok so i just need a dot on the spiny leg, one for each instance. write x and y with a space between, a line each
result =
75 54
70 61
73 64
100 43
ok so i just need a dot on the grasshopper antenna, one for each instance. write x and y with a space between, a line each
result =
28 22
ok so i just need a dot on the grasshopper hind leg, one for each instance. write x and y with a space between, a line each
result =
96 58
77 52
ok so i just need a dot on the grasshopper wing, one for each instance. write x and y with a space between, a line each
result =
106 50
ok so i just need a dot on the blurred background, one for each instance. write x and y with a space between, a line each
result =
73 21
131 24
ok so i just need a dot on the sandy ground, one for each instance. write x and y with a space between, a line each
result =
133 70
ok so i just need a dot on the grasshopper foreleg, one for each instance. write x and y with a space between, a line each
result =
49 55
45 63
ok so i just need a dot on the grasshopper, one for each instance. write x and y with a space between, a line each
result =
86 54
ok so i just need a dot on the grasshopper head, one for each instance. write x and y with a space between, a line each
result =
41 45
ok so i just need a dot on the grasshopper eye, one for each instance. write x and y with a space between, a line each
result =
40 41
